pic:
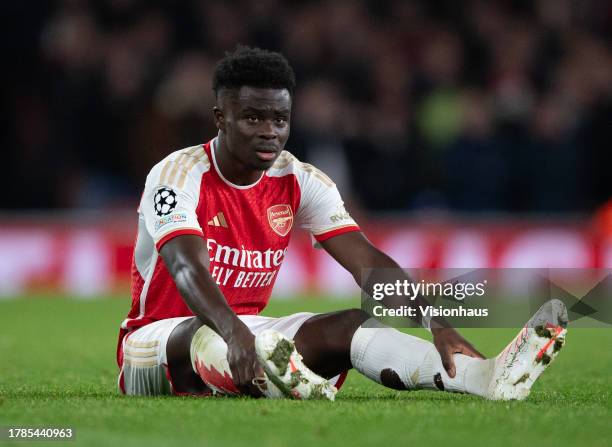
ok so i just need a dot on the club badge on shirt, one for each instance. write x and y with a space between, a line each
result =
280 218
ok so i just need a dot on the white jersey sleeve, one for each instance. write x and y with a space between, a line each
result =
171 195
321 210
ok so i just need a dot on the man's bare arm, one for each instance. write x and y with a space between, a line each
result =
354 252
186 258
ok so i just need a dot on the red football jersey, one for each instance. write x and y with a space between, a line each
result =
246 228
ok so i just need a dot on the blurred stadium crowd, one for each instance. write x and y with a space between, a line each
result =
469 106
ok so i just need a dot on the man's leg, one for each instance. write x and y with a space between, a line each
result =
324 341
144 367
335 342
336 350
184 379
194 346
332 343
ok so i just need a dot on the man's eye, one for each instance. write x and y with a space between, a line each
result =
252 119
281 120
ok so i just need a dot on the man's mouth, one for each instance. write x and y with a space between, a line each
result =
266 154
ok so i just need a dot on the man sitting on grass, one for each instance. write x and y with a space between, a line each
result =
214 225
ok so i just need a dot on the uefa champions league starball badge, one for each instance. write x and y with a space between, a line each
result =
164 201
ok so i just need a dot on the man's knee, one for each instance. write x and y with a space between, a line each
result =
333 331
356 317
351 320
325 340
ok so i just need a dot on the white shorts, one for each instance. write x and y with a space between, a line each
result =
145 366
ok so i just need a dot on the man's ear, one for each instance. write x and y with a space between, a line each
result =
219 118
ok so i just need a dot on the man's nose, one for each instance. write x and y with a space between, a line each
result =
268 130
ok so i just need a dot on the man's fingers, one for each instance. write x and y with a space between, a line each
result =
245 377
243 383
259 371
242 378
254 374
448 362
471 351
237 378
260 376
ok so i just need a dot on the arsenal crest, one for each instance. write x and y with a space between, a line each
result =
281 219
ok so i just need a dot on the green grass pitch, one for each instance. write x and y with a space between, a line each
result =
57 368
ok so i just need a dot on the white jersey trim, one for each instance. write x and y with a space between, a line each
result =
213 146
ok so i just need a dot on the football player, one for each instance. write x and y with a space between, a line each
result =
214 225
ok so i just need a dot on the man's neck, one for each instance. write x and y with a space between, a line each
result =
232 169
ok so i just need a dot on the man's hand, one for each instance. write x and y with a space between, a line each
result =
243 362
448 342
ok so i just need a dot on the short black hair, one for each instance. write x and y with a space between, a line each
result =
253 67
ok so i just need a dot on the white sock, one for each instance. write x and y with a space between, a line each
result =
402 361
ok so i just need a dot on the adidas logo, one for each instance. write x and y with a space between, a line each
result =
218 221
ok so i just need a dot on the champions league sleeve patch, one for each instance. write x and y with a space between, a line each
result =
164 201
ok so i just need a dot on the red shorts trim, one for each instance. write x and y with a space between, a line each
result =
341 380
121 382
